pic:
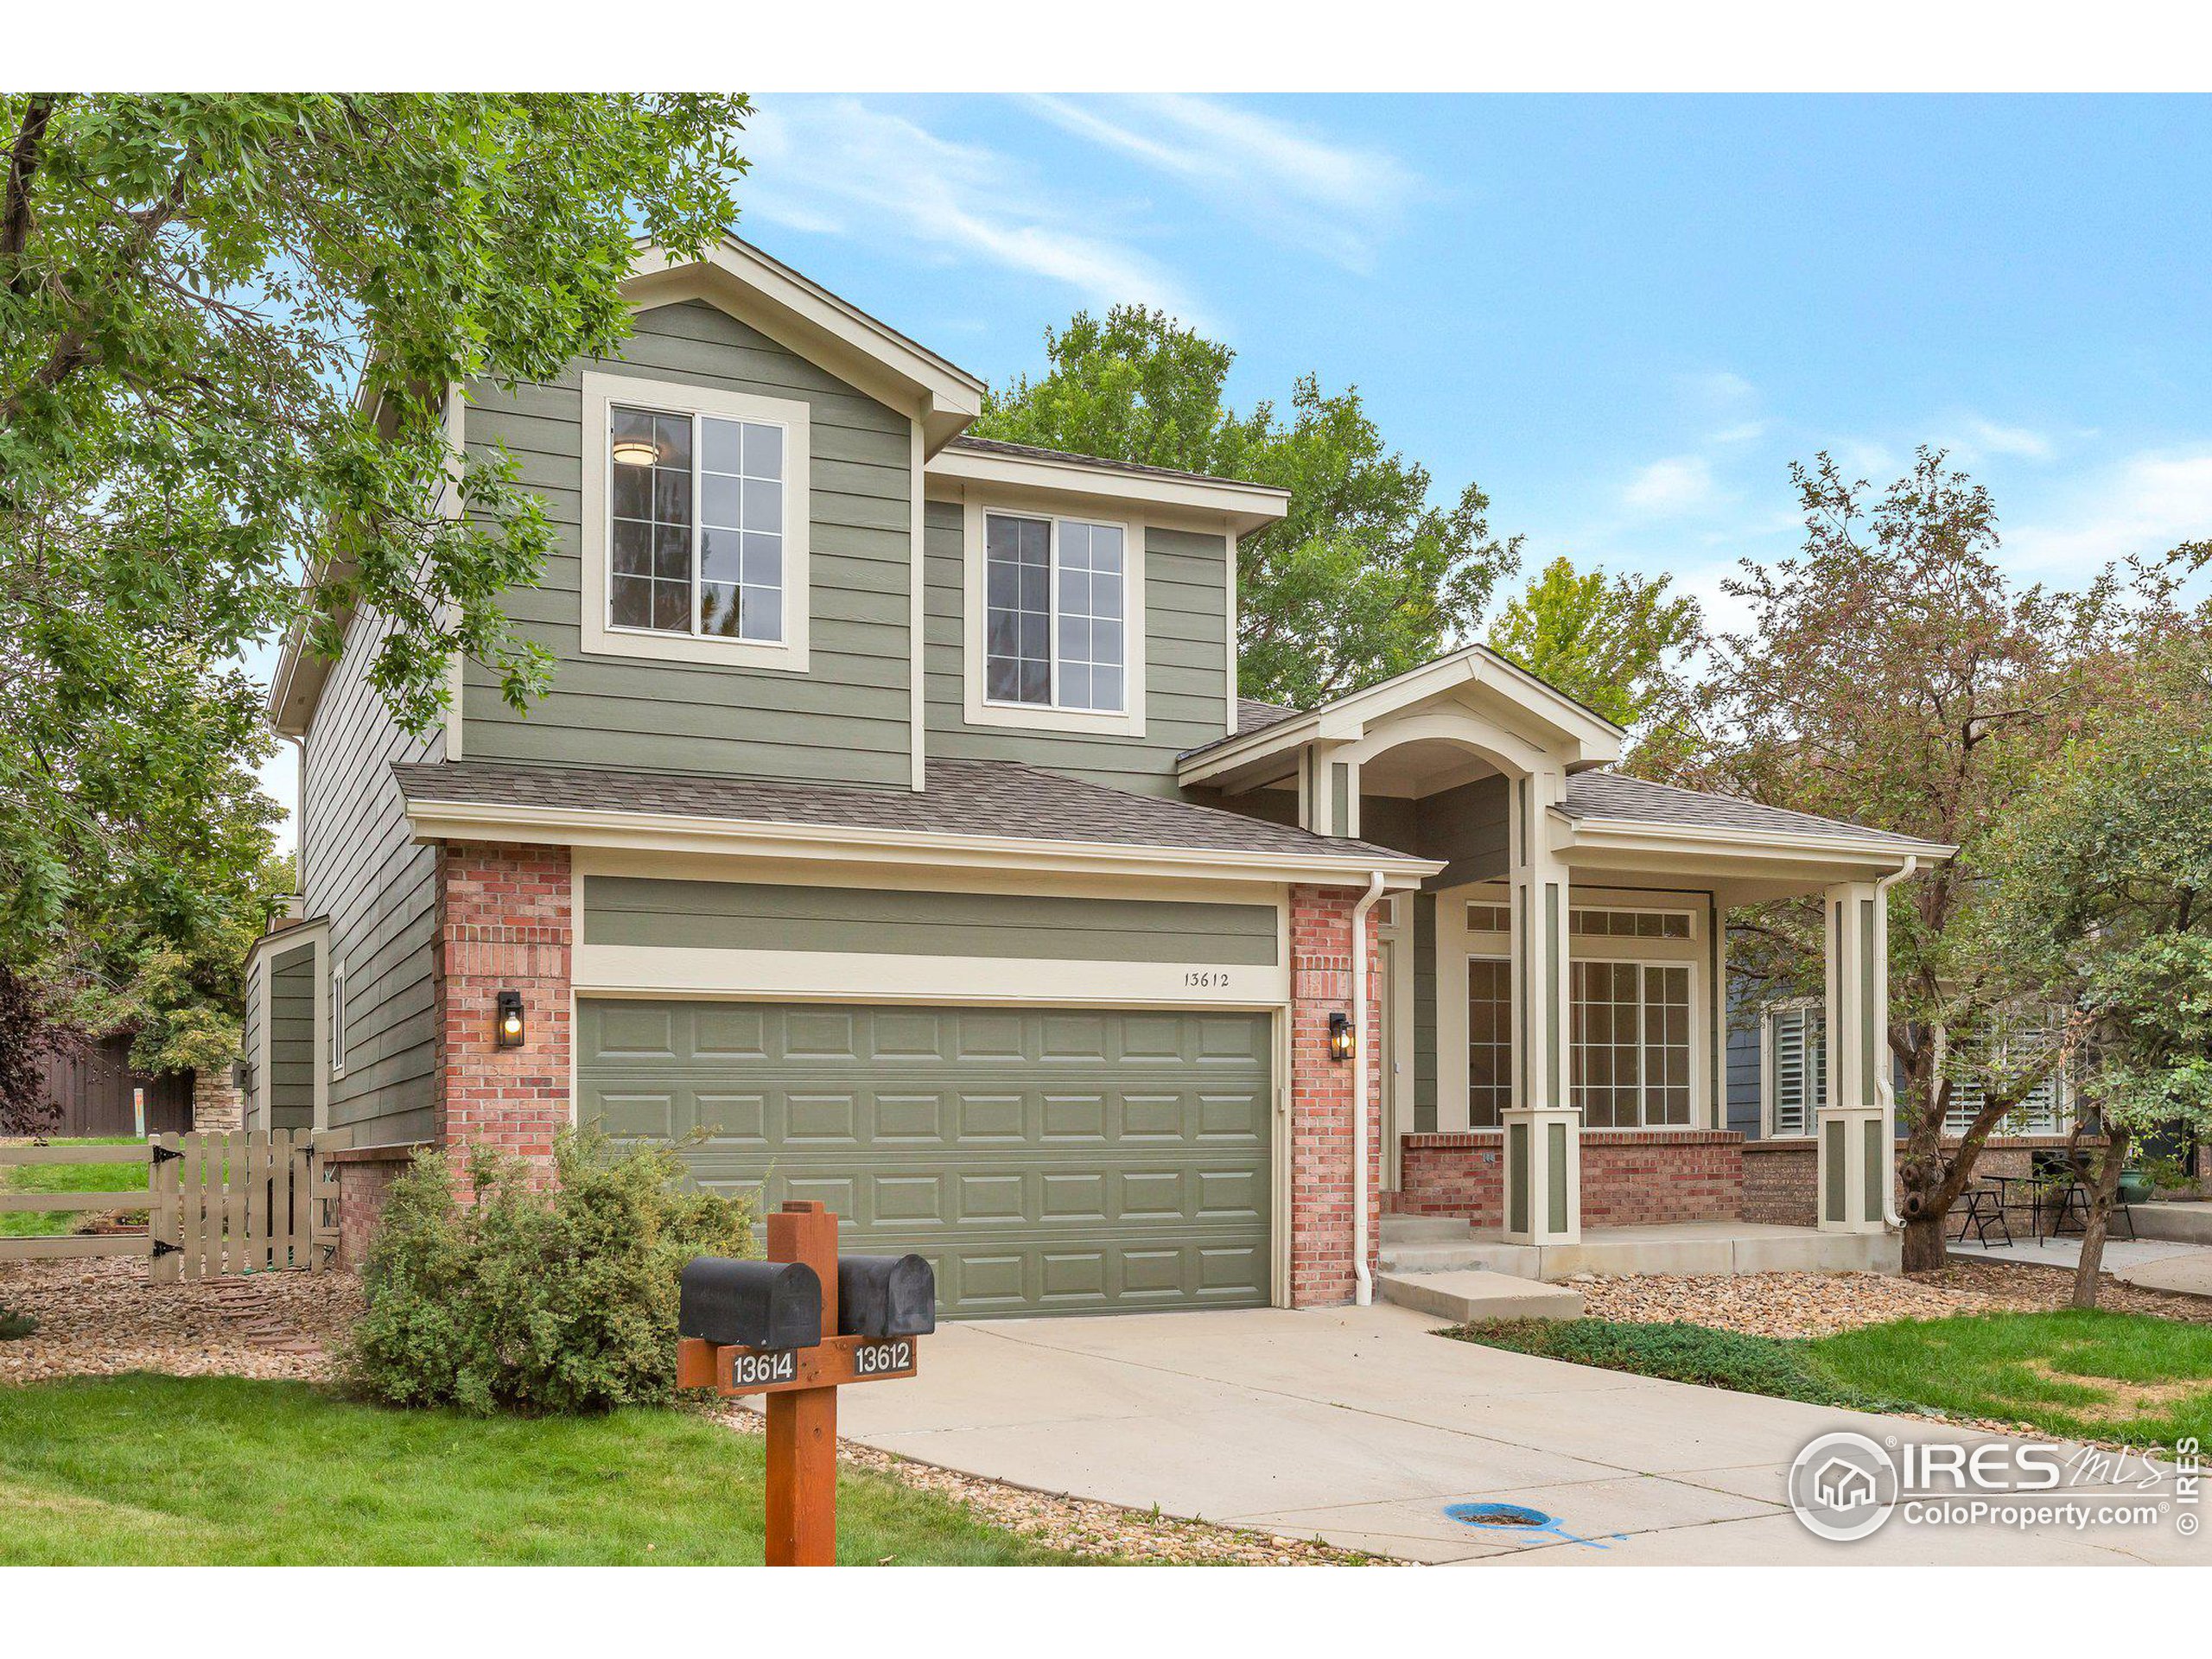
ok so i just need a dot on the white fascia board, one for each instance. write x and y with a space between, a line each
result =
1247 507
764 291
1629 834
434 821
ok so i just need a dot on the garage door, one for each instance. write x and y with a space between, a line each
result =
1046 1160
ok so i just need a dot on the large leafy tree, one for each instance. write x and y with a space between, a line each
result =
1892 675
2104 910
1609 642
227 325
1364 579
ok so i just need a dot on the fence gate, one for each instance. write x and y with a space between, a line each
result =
239 1202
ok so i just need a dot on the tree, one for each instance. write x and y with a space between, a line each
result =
1892 676
227 327
2105 910
1608 644
1364 579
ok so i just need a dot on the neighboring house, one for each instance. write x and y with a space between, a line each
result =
894 827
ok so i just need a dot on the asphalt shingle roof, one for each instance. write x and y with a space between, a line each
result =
1613 795
1034 452
965 798
1253 716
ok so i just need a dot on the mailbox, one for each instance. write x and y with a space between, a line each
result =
885 1296
750 1304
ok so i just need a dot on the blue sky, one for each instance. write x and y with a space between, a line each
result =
1623 316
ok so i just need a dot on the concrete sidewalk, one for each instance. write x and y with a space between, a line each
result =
2150 1263
1359 1426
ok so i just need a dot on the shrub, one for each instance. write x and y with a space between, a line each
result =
534 1300
1679 1352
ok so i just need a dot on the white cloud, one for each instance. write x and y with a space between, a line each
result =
1679 484
2146 504
838 166
1978 439
1341 200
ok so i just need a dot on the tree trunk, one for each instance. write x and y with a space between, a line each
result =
2101 1200
1925 1248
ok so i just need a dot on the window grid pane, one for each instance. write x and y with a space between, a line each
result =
741 530
1018 609
1089 625
1489 1041
1630 1057
649 585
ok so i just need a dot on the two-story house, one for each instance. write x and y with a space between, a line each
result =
893 834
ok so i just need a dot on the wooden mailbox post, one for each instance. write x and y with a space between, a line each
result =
802 1381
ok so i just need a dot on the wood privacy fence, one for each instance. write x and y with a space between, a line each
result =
247 1201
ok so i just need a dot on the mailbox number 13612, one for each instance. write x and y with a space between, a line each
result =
879 1357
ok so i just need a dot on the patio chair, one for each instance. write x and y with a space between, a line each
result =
1985 1208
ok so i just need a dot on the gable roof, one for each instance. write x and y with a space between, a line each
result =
1614 798
966 800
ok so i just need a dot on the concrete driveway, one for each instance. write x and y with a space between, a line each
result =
1359 1426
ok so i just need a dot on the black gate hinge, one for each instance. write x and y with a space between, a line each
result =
163 1247
163 1154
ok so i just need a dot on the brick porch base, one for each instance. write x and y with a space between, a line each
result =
1631 1178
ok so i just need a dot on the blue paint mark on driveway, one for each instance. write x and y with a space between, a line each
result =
1519 1519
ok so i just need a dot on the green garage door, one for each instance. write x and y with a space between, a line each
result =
1046 1160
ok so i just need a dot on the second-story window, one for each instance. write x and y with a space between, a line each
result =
1055 605
695 524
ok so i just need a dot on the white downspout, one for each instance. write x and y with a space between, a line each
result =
1363 1283
1885 1090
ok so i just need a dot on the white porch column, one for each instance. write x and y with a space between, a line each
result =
1855 1144
1543 1132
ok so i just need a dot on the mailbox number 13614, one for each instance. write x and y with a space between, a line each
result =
781 1366
879 1357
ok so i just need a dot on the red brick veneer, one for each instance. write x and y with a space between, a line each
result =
1631 1178
1781 1179
504 923
1320 1098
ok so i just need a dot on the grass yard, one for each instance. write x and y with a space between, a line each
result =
63 1178
222 1470
2126 1377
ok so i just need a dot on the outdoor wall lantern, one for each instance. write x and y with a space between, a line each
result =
1343 1043
635 452
510 1026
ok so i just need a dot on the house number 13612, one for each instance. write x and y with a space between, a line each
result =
1206 979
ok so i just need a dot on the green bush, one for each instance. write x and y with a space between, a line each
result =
533 1300
1681 1353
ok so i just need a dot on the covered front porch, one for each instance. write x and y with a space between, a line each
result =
1550 1008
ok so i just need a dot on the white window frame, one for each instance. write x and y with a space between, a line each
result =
1770 1087
1587 907
336 1016
602 394
980 709
2024 1119
1493 955
1695 1079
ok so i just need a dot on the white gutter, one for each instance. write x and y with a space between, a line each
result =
1363 1284
1883 1087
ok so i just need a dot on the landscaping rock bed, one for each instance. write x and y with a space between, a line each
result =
104 1316
1818 1304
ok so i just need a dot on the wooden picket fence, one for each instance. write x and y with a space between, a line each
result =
244 1201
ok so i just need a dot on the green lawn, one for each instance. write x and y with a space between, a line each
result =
63 1178
221 1471
2092 1375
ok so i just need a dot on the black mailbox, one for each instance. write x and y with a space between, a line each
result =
885 1296
750 1304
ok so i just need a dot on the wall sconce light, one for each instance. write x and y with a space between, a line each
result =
1344 1041
510 1026
635 452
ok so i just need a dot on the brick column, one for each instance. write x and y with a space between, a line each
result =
505 920
1320 1098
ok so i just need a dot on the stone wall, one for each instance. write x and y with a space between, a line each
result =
215 1105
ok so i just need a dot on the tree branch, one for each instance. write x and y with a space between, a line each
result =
23 158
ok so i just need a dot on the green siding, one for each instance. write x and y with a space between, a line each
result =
1877 1170
249 1047
848 718
1555 1173
745 916
291 1039
364 871
1833 1188
1517 1176
1047 1161
1186 666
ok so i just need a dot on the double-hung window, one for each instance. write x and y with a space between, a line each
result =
1056 607
697 511
695 524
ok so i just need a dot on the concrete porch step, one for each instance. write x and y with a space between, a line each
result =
1440 1258
1424 1230
2184 1223
1473 1294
